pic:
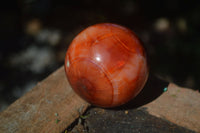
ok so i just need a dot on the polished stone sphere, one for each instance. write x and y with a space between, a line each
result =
106 65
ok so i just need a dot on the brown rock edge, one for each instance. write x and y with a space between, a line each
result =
50 107
178 105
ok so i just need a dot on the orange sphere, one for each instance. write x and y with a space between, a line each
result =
106 65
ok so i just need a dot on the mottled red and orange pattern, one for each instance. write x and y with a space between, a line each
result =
106 65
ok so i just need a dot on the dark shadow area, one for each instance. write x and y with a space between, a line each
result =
152 90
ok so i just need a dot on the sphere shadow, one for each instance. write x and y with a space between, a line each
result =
152 90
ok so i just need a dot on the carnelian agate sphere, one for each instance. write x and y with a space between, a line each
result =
106 65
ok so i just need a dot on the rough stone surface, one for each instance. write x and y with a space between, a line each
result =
178 105
133 121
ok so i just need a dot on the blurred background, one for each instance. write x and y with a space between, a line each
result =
35 34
